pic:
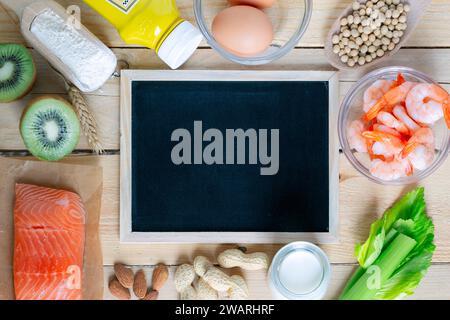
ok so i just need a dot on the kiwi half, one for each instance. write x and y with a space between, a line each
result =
50 128
17 72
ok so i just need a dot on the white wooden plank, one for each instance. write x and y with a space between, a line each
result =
105 102
432 31
435 284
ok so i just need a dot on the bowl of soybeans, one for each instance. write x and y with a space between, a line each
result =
369 32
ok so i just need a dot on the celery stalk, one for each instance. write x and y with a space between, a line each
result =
391 235
360 271
355 277
389 260
407 217
411 206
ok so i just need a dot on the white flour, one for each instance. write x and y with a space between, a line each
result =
91 62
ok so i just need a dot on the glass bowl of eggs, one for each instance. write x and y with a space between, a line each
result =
394 126
253 32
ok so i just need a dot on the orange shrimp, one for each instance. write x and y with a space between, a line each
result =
382 151
446 107
389 99
400 80
424 136
355 139
391 170
375 92
384 128
379 149
384 137
401 114
384 144
428 103
389 120
372 155
421 157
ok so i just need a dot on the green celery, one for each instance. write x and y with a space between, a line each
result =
360 271
386 264
411 206
407 217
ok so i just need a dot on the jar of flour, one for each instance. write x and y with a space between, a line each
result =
69 47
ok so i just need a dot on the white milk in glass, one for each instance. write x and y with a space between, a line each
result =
299 271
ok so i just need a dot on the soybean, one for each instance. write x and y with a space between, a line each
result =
370 30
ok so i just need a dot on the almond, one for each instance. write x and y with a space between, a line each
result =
160 275
152 295
140 284
124 274
119 291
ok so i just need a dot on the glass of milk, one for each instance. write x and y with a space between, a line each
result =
299 271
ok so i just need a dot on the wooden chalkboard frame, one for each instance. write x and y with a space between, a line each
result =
126 234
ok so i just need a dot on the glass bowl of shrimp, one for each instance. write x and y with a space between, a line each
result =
394 126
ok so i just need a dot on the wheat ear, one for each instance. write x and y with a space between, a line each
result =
87 119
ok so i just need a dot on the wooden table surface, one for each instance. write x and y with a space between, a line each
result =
361 201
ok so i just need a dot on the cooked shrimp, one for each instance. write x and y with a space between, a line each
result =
372 155
383 128
389 120
421 157
446 109
398 114
385 144
390 99
375 92
400 80
424 136
427 103
391 170
387 138
382 151
355 139
401 114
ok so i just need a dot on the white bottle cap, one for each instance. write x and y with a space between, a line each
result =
180 44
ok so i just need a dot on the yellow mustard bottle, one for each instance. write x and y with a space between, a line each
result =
155 24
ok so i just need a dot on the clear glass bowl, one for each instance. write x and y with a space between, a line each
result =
284 14
352 109
280 291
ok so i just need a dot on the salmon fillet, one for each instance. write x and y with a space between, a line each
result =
49 227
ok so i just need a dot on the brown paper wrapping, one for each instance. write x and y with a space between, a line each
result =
85 181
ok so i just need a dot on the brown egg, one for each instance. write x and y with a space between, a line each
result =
262 4
243 30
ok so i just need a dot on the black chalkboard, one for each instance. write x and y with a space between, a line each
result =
224 197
